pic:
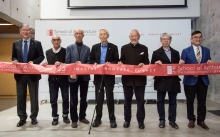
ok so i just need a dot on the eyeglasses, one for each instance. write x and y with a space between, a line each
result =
197 37
166 39
55 39
78 33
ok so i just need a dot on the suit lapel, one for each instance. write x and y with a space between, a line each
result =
192 53
31 48
82 51
163 55
75 51
174 55
203 54
108 51
20 48
98 49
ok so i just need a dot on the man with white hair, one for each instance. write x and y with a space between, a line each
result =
134 53
104 53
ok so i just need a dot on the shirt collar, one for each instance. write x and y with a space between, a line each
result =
56 51
28 40
166 50
133 44
104 45
195 47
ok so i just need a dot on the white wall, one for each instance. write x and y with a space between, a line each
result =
119 30
20 11
57 9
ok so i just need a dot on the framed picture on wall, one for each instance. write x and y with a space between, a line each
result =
103 4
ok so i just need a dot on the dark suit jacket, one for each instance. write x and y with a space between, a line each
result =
166 83
111 56
133 55
35 54
72 56
189 57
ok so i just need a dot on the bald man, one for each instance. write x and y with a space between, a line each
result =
56 56
134 53
78 53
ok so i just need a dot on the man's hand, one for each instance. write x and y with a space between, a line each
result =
73 76
31 62
57 63
158 62
15 61
209 61
120 63
79 62
44 64
181 61
140 64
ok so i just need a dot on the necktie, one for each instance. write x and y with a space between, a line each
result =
198 56
25 52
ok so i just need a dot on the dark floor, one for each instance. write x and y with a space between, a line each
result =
6 103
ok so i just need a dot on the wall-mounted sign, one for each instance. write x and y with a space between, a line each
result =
102 4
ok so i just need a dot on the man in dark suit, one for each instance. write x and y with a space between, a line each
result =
134 53
169 84
104 53
197 84
30 51
78 53
56 56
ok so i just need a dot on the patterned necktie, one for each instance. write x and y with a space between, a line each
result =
198 56
25 52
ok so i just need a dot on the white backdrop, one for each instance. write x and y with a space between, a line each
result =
119 30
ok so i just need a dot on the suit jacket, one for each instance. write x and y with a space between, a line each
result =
52 58
133 55
111 56
189 57
72 56
35 54
166 83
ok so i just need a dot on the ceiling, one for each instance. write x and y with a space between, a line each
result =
8 29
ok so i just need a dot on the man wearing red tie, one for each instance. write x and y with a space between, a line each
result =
197 84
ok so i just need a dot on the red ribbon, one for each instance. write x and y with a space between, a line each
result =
112 69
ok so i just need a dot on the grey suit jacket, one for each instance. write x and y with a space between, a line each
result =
72 56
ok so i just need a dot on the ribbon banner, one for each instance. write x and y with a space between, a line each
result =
112 69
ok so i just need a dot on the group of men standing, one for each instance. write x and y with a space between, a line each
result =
28 50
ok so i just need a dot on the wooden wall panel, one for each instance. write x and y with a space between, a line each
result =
7 82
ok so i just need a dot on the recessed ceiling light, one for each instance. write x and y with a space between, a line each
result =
4 24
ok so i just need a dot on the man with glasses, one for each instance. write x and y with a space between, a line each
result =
166 84
196 84
56 56
78 53
27 50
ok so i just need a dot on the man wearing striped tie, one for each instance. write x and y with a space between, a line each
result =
197 84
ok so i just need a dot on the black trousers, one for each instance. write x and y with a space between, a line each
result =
109 100
139 94
74 98
199 89
54 92
172 105
21 86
